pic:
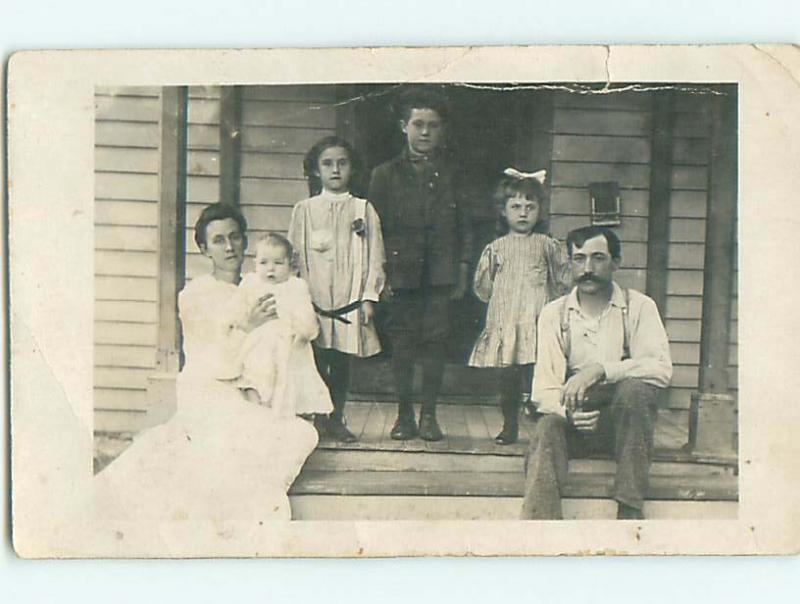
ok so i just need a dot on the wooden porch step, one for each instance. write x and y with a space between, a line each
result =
586 485
367 507
342 460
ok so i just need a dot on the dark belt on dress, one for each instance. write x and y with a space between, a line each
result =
337 313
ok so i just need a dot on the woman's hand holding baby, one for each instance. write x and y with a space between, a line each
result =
264 310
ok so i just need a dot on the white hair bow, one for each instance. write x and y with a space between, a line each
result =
514 173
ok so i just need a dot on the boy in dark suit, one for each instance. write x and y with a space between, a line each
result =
428 241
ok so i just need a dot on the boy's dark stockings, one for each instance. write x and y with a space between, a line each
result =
433 362
334 367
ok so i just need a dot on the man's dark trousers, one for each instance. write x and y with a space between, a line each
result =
627 420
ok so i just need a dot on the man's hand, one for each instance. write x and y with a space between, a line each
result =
585 421
368 311
462 284
574 391
263 311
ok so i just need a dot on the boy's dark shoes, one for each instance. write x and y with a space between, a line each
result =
508 435
337 430
405 427
627 512
428 427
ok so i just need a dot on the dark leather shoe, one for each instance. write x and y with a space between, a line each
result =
337 430
627 512
429 428
508 435
405 428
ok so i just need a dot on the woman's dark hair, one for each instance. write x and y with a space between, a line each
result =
217 211
531 188
577 237
311 162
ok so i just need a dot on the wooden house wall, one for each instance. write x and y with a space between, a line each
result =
609 138
593 138
126 253
279 125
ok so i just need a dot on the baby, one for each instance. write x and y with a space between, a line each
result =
276 359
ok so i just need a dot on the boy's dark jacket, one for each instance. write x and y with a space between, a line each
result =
424 220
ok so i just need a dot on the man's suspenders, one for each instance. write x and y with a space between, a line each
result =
565 331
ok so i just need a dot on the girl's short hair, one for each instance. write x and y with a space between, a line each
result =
311 162
508 187
217 211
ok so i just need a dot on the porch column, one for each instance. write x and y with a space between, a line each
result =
713 409
658 223
230 144
171 225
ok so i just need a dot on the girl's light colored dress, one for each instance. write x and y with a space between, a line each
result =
516 275
214 476
276 358
338 240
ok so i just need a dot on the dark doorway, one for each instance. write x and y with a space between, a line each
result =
489 130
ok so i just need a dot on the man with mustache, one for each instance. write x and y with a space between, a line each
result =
602 357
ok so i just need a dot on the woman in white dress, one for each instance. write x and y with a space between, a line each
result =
220 461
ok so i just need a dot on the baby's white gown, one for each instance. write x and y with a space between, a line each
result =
276 358
221 466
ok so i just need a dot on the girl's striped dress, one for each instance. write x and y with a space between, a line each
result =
516 275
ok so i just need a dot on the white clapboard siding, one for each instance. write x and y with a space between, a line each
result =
126 253
279 125
600 138
202 165
608 137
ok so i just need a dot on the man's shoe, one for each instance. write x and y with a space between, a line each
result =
337 430
627 512
405 427
429 428
508 435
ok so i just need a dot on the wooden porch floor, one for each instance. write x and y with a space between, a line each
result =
468 428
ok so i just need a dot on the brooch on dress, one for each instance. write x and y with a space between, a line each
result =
358 226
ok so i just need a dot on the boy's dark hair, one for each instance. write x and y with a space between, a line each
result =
419 98
311 162
217 211
530 188
577 237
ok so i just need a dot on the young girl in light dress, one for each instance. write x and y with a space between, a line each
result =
517 275
276 361
340 254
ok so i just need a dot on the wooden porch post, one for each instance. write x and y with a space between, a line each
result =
537 151
713 412
161 402
171 225
230 144
658 224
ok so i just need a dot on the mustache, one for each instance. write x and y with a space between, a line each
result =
587 278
